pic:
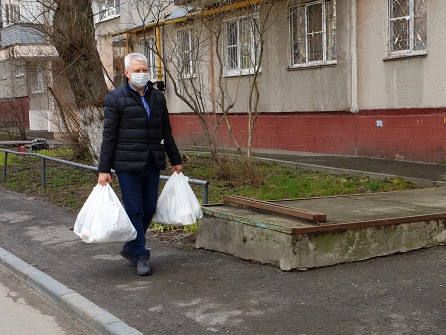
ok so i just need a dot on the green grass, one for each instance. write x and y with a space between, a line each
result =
69 187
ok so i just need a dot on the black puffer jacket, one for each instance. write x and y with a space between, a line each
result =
130 139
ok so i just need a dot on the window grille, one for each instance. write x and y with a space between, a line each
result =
241 45
407 27
19 70
109 9
313 33
12 11
187 49
36 79
3 73
147 47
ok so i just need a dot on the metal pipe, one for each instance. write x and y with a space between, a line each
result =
127 46
205 194
159 68
354 108
190 16
4 165
43 174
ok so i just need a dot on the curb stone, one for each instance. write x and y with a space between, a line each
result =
94 317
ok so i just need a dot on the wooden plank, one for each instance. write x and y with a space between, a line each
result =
365 224
276 208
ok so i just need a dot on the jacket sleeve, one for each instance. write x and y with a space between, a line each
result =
169 142
112 118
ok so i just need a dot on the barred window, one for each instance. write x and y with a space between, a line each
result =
36 78
407 27
19 70
241 45
12 11
109 9
3 72
147 47
187 52
313 33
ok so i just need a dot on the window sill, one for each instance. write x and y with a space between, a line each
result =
19 75
108 18
405 56
240 73
187 77
312 66
37 92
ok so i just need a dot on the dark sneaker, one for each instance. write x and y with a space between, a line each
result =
143 267
127 255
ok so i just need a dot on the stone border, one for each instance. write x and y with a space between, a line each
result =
97 319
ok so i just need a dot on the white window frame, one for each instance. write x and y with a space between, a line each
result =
146 47
3 73
36 79
190 53
254 51
410 17
19 70
324 60
108 9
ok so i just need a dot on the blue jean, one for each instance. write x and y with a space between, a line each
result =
139 191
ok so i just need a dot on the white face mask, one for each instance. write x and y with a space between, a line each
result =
140 79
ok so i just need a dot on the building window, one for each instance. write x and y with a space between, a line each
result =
313 33
36 78
12 11
3 72
407 27
187 52
19 70
147 47
109 9
241 45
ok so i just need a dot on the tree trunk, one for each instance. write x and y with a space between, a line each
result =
74 39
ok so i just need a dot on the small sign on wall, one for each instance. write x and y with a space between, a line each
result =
379 123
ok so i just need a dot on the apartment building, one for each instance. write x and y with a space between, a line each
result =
353 77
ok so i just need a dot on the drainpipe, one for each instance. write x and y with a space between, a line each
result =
159 75
127 45
214 108
354 108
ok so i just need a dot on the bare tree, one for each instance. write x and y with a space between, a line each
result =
68 25
210 76
14 117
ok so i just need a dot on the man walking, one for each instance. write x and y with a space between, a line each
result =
137 135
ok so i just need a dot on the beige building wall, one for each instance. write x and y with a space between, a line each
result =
327 88
407 82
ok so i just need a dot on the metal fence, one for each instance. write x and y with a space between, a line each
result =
87 167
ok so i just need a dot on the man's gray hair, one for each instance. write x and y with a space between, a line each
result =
134 56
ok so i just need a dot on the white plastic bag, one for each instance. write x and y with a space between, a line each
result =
177 204
102 219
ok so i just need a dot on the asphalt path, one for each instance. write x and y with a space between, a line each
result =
203 292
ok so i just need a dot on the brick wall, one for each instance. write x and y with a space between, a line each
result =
415 134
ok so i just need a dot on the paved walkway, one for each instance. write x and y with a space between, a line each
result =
202 292
23 311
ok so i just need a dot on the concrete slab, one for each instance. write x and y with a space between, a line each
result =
358 227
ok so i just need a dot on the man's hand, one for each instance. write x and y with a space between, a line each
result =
177 168
104 178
